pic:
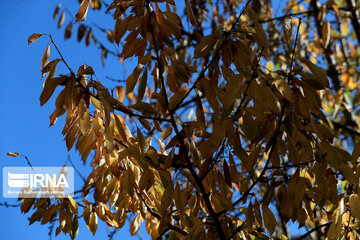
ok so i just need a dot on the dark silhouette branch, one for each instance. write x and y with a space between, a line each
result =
313 230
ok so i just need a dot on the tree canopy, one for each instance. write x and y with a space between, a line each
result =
236 119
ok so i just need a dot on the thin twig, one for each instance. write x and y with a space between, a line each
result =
76 170
313 230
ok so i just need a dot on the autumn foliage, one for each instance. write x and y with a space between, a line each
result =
234 122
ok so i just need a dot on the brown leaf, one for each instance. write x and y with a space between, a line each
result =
81 14
81 32
166 133
45 58
269 219
319 72
56 12
120 93
93 221
15 154
190 14
61 19
88 37
34 37
68 31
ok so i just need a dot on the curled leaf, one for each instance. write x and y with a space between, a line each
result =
45 58
15 154
34 37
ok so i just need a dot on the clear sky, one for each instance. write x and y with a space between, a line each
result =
24 123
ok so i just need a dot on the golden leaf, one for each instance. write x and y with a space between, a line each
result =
93 221
135 225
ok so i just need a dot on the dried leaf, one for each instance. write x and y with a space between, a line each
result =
354 203
319 72
61 19
190 14
68 30
142 85
120 93
166 133
34 37
56 11
15 154
93 222
269 219
74 227
45 58
81 14
326 34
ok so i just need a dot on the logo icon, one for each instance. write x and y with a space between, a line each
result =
43 182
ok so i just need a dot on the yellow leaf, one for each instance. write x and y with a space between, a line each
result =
81 14
269 219
270 66
34 37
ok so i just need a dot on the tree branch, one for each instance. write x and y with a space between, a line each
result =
313 230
